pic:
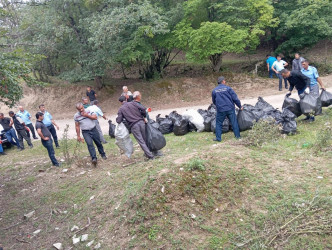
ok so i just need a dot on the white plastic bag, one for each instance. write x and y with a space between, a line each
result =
196 118
123 140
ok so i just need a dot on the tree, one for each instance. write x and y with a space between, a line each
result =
212 28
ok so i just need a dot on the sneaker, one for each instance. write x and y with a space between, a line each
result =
215 139
35 138
20 149
31 146
158 153
307 118
311 119
286 87
57 165
104 157
58 146
3 153
280 89
94 161
151 158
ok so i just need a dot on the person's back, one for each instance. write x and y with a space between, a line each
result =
270 61
224 98
132 112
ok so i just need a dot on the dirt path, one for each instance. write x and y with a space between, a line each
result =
275 100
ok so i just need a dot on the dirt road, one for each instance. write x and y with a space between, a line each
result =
274 100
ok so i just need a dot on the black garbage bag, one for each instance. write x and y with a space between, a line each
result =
174 116
202 112
225 125
245 119
258 112
111 129
154 123
289 127
124 121
263 105
326 98
287 115
155 140
165 124
319 108
293 105
181 127
192 127
207 122
212 109
277 115
308 103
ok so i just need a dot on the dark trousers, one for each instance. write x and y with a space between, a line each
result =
51 128
271 73
280 81
11 134
32 129
220 120
22 134
91 136
49 146
138 130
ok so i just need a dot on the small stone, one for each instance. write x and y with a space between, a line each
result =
57 246
319 177
97 246
75 206
37 232
217 209
56 228
76 240
65 170
29 215
74 228
181 169
90 243
193 201
92 197
108 173
193 216
84 237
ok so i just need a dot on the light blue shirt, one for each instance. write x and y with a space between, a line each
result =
25 116
95 109
47 119
278 66
312 73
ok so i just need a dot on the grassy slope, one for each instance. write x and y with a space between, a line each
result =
238 194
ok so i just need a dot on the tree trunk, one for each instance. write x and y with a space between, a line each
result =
123 71
216 61
99 82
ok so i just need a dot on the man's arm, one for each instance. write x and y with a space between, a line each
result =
235 98
305 79
119 119
293 65
214 97
78 132
285 64
319 80
53 122
92 116
41 135
268 66
273 65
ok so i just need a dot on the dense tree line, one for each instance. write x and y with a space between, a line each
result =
80 39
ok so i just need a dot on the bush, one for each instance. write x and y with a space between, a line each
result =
196 164
263 132
324 139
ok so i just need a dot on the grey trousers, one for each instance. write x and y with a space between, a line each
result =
138 130
314 90
102 139
22 134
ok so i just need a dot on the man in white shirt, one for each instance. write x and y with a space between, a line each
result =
95 109
277 67
126 93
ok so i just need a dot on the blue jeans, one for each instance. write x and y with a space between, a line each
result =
11 134
1 149
220 120
49 146
271 73
51 128
90 137
280 81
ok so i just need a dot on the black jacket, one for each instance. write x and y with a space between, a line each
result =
298 80
133 112
18 125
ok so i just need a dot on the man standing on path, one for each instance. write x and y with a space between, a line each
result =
84 120
25 116
297 62
300 82
225 99
95 109
91 94
50 123
126 93
312 73
7 126
277 67
45 136
135 115
269 62
21 130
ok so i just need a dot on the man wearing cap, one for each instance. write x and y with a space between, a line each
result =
25 116
225 100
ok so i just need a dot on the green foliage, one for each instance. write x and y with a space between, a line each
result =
196 164
263 132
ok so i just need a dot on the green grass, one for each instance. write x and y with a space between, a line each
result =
200 195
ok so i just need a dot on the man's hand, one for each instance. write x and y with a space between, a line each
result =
46 138
84 114
307 90
79 139
241 108
145 120
289 93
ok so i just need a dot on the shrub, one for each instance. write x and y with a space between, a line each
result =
263 132
196 164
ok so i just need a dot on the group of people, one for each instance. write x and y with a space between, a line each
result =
19 126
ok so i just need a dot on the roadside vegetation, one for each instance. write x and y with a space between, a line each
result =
200 195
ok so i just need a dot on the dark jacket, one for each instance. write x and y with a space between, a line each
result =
297 64
5 124
298 80
133 112
224 98
18 124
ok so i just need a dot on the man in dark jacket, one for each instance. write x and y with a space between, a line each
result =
297 62
21 130
225 99
7 126
135 115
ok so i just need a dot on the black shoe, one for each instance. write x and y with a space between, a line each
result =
215 139
312 119
57 165
3 153
94 161
105 142
104 157
151 158
58 146
307 118
280 89
286 87
158 153
20 149
31 146
35 138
